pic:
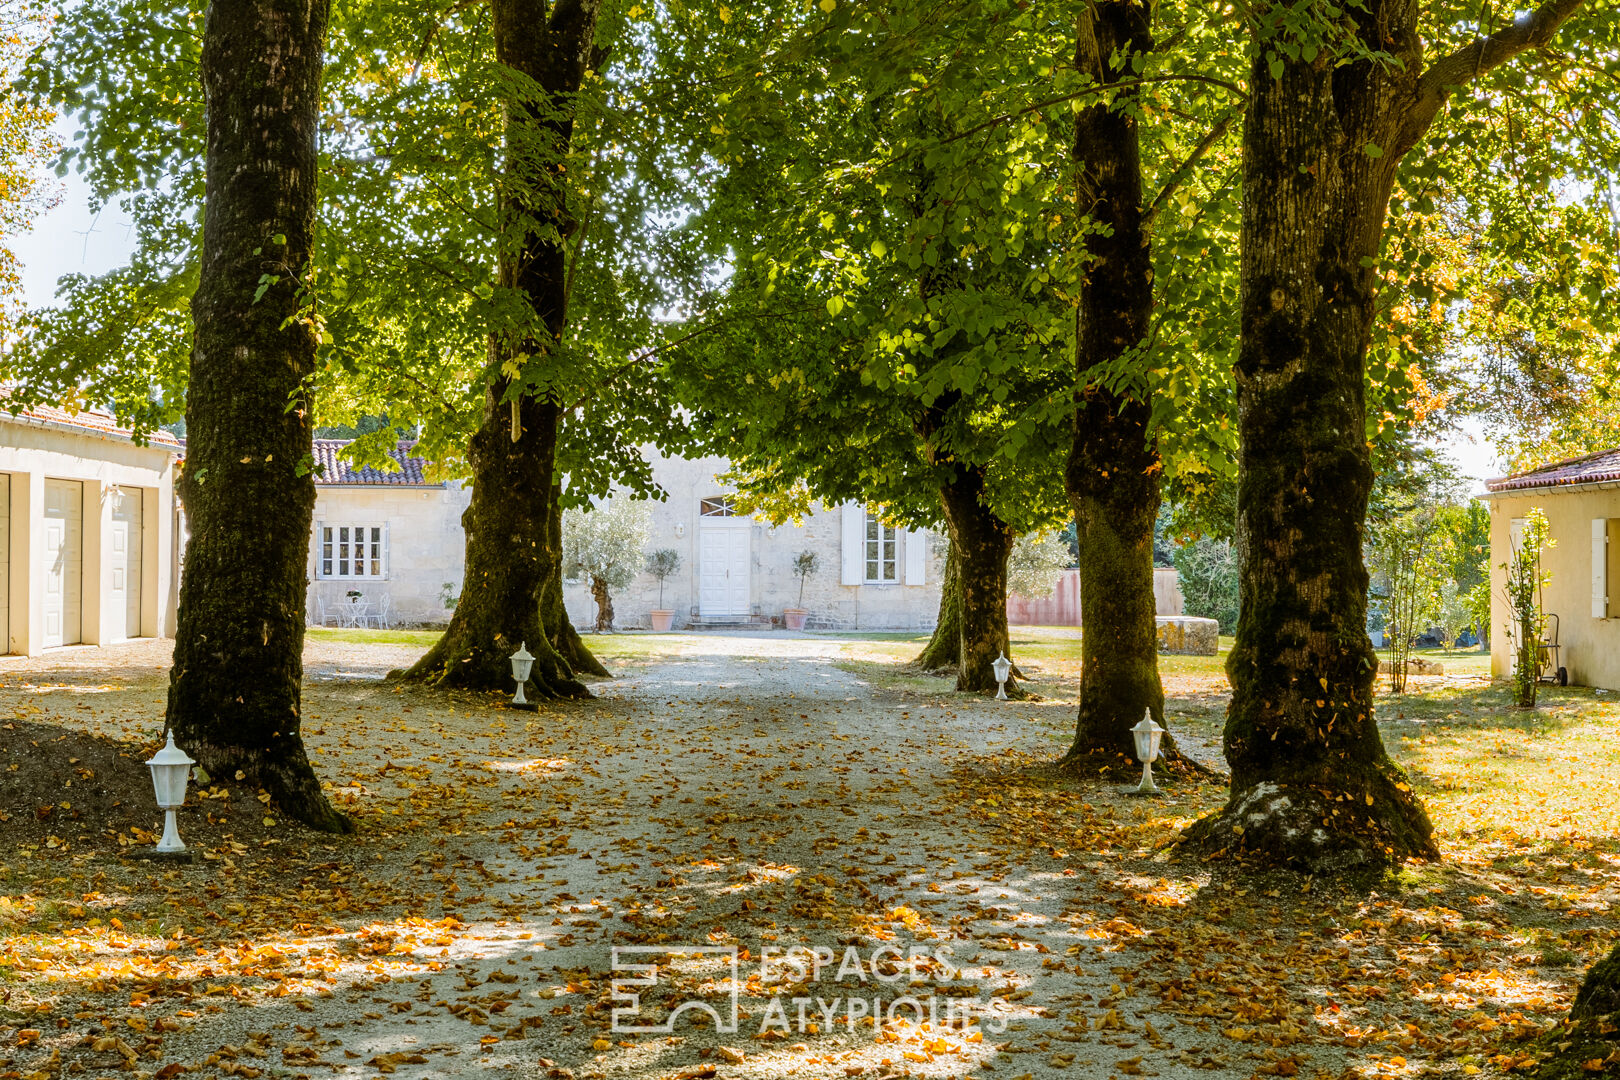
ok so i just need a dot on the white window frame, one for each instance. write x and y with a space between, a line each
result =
334 551
880 550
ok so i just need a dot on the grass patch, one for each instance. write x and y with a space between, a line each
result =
424 639
1456 662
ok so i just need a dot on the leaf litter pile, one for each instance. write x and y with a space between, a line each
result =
886 880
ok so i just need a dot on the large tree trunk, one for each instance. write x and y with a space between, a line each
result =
944 649
234 691
1113 468
982 542
1312 785
1589 1033
510 556
1599 994
554 613
509 561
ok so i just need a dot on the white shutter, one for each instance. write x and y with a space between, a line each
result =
853 548
320 548
386 570
1600 568
1515 536
916 541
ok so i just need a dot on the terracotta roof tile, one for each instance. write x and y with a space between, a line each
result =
1600 468
98 421
337 471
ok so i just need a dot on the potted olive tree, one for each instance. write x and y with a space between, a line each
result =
661 564
804 568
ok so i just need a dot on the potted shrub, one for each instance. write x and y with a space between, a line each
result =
661 564
804 567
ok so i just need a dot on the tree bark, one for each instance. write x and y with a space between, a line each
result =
982 541
944 649
554 612
1312 786
1113 469
604 605
1588 1033
1599 994
513 455
234 691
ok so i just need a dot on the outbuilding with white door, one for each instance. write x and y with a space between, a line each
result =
88 537
737 570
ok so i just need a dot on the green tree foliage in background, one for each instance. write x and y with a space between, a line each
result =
1207 572
1035 564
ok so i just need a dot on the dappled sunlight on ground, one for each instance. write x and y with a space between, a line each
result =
758 793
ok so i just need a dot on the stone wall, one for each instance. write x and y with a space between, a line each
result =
426 549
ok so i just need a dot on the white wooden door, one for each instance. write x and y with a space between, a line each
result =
5 563
64 570
724 554
125 542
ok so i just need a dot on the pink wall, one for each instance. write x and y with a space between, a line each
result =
1062 608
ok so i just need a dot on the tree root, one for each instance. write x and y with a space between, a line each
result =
1314 828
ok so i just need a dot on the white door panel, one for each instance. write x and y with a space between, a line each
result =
125 540
64 569
725 553
5 563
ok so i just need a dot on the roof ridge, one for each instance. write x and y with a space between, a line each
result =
1563 462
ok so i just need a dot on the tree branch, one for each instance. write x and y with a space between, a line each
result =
1213 136
1046 103
1531 31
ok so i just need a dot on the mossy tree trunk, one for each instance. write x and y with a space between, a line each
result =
554 612
982 542
1599 994
1113 469
944 649
1322 139
1589 1033
234 691
513 455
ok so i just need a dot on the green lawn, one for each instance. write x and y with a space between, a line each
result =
421 638
1456 662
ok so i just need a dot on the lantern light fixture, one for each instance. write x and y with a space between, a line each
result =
1003 668
1147 735
522 664
171 769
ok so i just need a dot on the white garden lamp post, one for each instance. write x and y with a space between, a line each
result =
171 769
1003 668
522 663
1147 735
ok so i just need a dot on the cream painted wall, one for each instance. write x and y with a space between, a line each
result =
1590 646
426 548
676 523
32 452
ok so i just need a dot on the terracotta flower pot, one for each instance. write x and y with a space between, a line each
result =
662 620
794 618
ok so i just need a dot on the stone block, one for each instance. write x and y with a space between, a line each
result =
1188 635
1414 667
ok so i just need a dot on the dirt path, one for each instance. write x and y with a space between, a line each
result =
744 796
